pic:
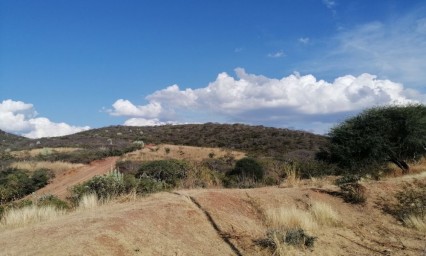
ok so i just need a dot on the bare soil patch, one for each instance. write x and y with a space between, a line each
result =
60 184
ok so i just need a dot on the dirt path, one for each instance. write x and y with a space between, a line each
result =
60 184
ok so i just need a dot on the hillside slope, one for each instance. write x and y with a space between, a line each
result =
254 139
215 222
8 141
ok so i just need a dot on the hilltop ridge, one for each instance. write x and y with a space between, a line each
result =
253 139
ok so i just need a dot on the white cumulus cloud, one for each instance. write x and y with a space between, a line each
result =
295 100
21 118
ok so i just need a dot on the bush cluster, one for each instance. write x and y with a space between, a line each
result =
168 171
17 183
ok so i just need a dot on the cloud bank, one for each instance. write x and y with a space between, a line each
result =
301 102
21 118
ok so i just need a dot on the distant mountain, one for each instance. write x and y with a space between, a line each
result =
12 141
253 139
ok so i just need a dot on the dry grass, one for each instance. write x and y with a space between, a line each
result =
290 218
164 151
415 168
416 222
42 151
89 201
325 215
57 167
29 215
292 177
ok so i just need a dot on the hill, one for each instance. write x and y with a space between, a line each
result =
219 222
8 140
261 140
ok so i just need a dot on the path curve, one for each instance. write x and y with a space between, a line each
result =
60 184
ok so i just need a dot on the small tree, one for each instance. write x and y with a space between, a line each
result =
378 135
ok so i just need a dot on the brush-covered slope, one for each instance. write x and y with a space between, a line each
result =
253 139
11 141
217 222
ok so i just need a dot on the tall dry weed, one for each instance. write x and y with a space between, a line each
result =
290 218
416 222
88 201
292 176
324 214
29 215
57 166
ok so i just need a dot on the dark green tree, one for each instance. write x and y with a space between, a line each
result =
378 135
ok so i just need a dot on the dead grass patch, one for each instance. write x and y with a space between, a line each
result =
57 167
416 222
41 151
89 201
325 215
292 177
290 218
29 215
165 151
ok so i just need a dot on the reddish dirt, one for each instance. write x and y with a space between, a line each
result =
60 184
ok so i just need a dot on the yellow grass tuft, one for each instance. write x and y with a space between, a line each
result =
89 201
29 215
416 222
324 214
57 167
290 218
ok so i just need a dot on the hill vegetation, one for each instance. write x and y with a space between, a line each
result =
260 140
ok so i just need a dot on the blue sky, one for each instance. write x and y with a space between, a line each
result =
69 65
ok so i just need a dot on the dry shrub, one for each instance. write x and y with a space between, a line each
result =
324 214
200 176
54 166
290 218
416 222
159 152
292 176
88 201
30 214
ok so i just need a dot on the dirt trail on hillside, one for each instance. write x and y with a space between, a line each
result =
60 184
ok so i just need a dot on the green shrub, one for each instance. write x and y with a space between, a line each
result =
367 142
16 183
41 177
249 168
52 200
147 185
168 171
105 187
